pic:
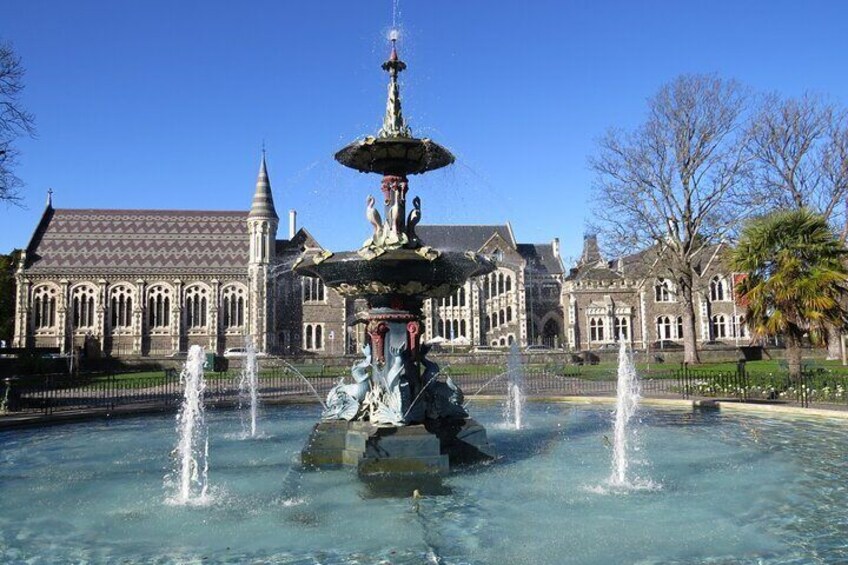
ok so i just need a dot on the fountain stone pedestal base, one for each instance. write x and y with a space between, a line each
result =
419 449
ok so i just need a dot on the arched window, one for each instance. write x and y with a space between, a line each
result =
462 296
508 314
740 327
442 328
719 326
44 306
596 329
233 300
454 329
196 301
120 307
663 328
502 342
501 318
307 337
313 289
508 283
622 328
319 336
680 327
158 307
462 329
717 289
663 291
83 306
509 339
500 283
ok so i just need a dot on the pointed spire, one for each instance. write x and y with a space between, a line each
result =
263 200
393 123
49 197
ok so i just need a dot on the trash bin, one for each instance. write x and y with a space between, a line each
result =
210 362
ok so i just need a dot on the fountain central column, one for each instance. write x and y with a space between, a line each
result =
394 330
394 189
396 416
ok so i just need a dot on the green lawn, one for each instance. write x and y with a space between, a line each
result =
601 371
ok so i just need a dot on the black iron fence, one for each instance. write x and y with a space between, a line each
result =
62 393
812 386
52 394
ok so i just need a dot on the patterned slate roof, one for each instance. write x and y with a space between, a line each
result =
170 242
540 258
461 238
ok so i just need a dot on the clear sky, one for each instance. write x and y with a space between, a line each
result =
162 104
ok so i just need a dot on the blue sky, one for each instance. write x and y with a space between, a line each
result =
166 104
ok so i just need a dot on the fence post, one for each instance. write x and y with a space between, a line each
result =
742 378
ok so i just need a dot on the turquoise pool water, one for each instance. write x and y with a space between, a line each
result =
729 489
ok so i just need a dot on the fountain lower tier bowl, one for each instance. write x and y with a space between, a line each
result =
394 155
400 272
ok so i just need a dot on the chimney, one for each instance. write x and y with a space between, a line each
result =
555 246
292 223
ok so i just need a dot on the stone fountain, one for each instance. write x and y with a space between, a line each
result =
396 416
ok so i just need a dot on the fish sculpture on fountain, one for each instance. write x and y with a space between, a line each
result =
344 401
391 405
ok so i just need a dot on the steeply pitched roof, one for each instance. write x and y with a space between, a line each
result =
461 238
540 258
263 199
643 264
172 242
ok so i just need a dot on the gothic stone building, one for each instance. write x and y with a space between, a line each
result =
154 282
629 299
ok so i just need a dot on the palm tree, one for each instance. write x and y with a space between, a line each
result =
795 280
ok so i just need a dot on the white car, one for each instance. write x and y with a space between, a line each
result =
240 353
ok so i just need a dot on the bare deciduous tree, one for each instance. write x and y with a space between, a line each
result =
677 184
799 148
14 120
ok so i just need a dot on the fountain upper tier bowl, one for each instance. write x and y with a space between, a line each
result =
401 272
394 155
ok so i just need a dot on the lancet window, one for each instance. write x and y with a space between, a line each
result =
196 306
718 289
233 301
159 307
313 337
622 328
82 301
596 329
664 291
664 328
120 307
313 289
44 307
719 326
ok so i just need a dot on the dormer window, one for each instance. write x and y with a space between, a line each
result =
497 256
663 291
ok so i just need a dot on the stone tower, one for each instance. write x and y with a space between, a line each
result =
262 224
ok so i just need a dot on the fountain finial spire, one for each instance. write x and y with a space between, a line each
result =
393 123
